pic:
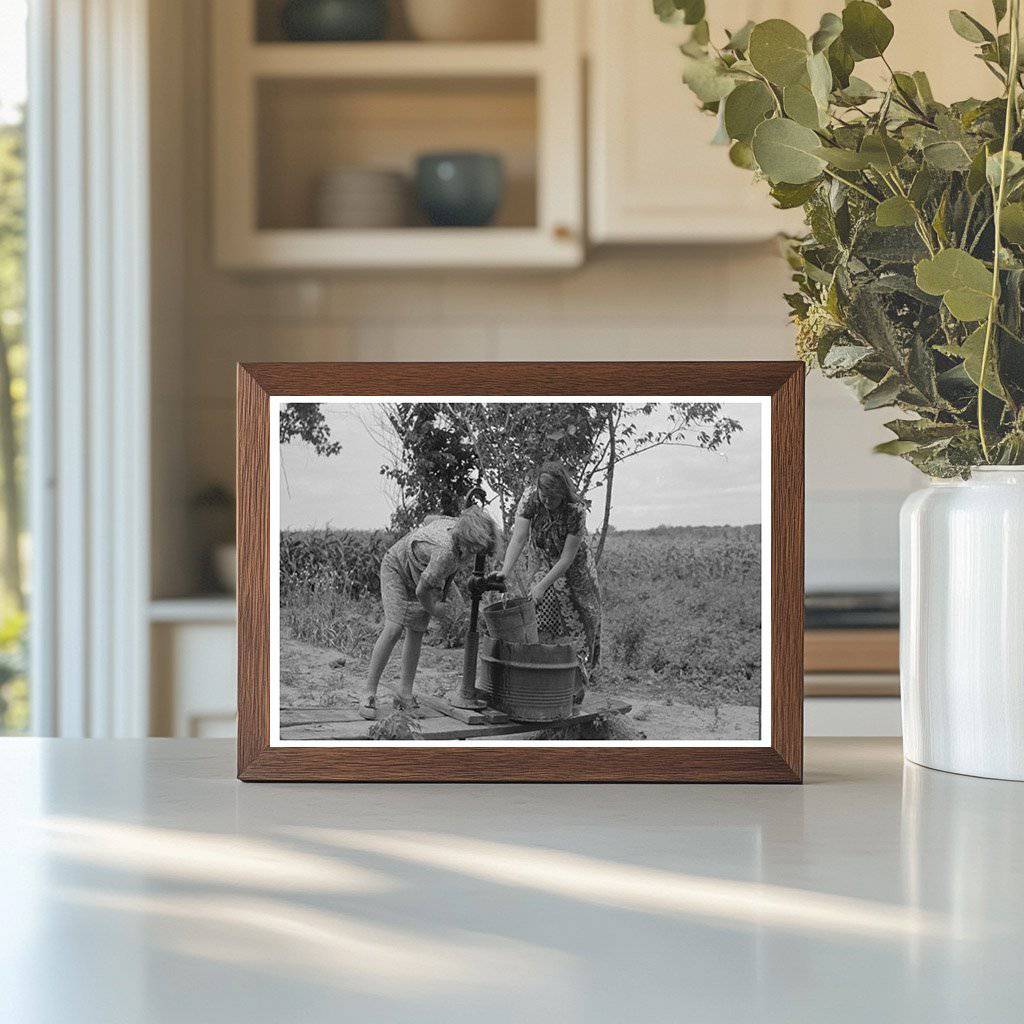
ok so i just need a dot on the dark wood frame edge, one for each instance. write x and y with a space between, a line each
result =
780 762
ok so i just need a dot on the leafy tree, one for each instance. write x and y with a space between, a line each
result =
448 448
437 471
13 408
306 421
12 349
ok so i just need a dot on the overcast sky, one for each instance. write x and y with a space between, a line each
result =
665 486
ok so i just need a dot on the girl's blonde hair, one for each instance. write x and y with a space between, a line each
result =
476 531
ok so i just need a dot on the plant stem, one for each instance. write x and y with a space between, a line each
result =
1011 108
853 185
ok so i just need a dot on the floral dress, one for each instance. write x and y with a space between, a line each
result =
570 611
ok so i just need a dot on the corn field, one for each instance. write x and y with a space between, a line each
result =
681 606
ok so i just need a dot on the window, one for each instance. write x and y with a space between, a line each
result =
14 691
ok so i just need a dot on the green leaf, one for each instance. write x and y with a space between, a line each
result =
993 167
923 431
840 61
701 34
971 352
745 108
924 88
721 136
947 156
741 155
905 84
866 29
976 173
885 394
690 12
829 30
779 51
895 212
883 152
844 159
922 185
693 10
801 106
707 78
969 28
666 10
895 447
788 197
1012 224
787 151
819 74
739 41
858 91
939 220
963 281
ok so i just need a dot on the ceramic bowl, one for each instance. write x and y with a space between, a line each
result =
333 21
460 189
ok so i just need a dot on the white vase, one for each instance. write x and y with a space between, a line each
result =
962 624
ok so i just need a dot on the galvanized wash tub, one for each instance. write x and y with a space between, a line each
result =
529 682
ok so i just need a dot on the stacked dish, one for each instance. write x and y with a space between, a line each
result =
362 197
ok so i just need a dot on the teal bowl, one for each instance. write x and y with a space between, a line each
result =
460 189
334 21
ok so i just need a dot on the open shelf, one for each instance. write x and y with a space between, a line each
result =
286 114
520 23
309 127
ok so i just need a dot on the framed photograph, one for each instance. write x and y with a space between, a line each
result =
564 572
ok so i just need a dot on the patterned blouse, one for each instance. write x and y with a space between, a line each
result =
550 527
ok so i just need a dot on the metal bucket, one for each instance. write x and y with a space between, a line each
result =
513 619
529 682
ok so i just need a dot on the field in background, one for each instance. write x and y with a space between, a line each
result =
681 630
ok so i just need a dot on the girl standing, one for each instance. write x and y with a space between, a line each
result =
551 523
416 577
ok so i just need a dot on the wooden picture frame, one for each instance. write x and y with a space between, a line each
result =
778 759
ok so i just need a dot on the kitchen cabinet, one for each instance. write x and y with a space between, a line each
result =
287 114
654 177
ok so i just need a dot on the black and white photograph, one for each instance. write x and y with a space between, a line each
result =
516 571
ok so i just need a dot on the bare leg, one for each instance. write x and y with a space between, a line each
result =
381 652
410 660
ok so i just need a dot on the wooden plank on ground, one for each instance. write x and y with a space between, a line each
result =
494 716
338 724
302 716
464 715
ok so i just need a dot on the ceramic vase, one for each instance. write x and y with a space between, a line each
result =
962 624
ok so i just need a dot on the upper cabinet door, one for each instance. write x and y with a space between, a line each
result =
654 175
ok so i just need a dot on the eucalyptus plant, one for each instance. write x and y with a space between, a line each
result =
910 278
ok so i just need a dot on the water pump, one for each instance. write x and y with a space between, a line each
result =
479 584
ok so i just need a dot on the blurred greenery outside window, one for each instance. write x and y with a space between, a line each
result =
14 538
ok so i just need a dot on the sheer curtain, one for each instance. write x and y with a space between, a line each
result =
88 298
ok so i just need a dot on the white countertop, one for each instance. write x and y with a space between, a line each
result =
140 882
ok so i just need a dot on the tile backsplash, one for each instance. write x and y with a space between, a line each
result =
708 303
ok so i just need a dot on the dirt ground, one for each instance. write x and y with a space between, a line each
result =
319 677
